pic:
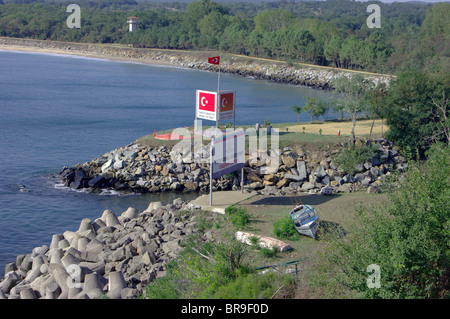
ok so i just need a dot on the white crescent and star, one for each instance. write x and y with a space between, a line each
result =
203 101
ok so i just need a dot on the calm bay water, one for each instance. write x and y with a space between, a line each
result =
60 110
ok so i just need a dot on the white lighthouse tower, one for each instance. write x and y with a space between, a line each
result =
132 23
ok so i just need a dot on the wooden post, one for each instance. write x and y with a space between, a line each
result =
211 170
242 180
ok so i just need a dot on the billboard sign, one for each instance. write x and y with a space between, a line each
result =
206 105
228 153
207 101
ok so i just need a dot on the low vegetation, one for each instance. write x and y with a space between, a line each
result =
407 239
215 270
350 157
284 228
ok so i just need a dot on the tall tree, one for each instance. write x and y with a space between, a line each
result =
297 109
332 50
316 107
353 92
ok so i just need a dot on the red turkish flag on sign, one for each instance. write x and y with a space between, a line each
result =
207 101
226 102
214 60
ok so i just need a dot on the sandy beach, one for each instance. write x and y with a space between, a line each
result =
35 49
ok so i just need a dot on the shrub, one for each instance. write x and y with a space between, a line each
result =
267 252
199 270
284 228
348 158
408 238
254 286
239 217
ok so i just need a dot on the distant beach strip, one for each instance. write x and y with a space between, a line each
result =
277 71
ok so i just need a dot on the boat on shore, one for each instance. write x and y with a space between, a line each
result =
305 219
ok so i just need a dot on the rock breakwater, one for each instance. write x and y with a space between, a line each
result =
112 256
141 169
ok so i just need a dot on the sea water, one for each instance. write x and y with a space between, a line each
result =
60 110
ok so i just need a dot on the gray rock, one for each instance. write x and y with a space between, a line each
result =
327 190
345 188
347 178
374 172
97 182
107 166
326 180
308 186
375 161
176 186
130 155
148 258
129 293
359 177
292 177
119 165
366 181
372 190
320 171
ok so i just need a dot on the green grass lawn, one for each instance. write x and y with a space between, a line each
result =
308 141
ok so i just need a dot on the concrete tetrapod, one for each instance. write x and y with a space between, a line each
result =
116 284
93 286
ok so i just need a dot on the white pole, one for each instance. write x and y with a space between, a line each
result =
218 79
211 170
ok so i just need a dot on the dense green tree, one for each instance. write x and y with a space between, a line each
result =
315 107
270 21
332 50
319 32
413 118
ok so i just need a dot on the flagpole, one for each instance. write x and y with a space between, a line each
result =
218 79
218 91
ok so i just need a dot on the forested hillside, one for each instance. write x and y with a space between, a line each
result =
413 36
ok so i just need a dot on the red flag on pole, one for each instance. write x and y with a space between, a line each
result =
214 60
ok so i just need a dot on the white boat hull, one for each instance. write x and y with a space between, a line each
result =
305 220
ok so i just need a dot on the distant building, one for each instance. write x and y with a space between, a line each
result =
132 23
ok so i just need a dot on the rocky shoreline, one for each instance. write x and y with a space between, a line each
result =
112 256
144 169
263 69
116 256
